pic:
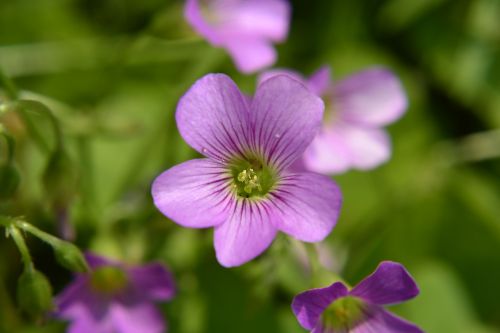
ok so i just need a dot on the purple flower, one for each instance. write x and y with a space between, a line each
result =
358 107
245 187
114 298
335 309
246 28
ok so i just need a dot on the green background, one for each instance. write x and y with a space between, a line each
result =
113 71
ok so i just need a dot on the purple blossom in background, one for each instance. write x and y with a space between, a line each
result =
114 298
335 309
245 28
245 187
357 109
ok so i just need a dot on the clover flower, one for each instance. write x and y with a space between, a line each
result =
357 109
115 298
246 188
246 28
336 309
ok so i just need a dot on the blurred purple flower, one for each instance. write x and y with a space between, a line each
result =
335 309
114 298
357 109
246 188
246 28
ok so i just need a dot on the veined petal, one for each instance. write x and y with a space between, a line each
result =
389 284
251 54
153 281
309 305
307 204
245 235
137 318
213 117
374 97
194 194
379 320
285 117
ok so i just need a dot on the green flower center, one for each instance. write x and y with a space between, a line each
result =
251 178
343 314
108 280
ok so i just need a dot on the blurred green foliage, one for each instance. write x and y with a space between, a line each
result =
111 73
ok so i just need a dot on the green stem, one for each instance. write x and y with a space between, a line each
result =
313 256
48 238
21 245
88 179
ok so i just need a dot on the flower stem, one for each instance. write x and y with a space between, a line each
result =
21 245
48 238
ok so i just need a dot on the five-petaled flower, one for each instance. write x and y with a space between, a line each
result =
115 297
357 108
335 309
246 187
246 28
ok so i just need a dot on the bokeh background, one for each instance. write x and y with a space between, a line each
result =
112 72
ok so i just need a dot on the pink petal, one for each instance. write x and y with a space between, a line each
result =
213 117
136 318
307 204
379 320
251 54
263 19
280 71
246 234
328 153
389 284
153 281
367 148
320 81
309 305
285 117
194 194
374 97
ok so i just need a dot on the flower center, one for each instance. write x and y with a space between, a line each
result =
108 280
251 178
343 314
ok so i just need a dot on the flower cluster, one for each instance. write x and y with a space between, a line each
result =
265 166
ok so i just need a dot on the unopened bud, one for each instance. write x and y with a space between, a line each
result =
70 257
34 293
